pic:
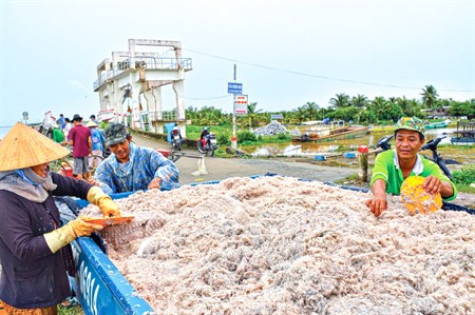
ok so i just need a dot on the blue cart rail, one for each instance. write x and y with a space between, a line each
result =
102 289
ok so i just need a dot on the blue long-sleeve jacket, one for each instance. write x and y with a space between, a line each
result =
144 165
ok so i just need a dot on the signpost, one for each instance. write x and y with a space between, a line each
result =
234 88
239 104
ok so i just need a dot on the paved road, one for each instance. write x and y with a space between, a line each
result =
221 168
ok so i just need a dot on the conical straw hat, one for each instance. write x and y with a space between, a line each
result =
25 147
90 123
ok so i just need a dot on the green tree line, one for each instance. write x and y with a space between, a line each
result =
359 109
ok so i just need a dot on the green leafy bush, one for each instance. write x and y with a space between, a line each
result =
465 176
246 136
224 139
284 136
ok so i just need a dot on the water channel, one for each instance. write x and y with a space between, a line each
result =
312 148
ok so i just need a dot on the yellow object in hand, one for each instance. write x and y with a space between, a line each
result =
416 199
108 207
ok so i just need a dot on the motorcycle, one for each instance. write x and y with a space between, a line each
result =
176 140
207 144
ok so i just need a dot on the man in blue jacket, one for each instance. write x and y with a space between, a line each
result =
131 168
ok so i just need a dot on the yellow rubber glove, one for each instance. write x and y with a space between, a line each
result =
108 207
68 233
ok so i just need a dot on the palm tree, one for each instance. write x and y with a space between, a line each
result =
359 101
429 96
252 113
379 106
312 109
340 100
301 113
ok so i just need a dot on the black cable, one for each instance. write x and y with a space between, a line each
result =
315 75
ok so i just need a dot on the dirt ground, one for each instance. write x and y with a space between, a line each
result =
221 168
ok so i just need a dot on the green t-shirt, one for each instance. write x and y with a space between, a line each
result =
386 167
58 135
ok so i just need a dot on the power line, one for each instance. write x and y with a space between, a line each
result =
316 75
206 98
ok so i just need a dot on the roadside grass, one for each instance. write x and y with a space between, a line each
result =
464 179
73 310
193 132
243 135
466 188
352 180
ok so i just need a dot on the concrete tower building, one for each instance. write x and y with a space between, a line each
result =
130 84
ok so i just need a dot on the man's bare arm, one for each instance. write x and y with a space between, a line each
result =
379 203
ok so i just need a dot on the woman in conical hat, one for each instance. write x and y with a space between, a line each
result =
34 244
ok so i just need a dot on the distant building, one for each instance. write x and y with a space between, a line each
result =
130 84
442 112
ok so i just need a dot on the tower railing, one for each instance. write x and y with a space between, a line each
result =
148 63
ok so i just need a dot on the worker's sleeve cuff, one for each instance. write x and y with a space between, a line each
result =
454 195
377 176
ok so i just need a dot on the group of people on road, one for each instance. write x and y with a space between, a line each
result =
34 244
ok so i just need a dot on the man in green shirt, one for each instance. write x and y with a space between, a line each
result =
393 166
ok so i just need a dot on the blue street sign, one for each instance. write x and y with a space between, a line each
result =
234 88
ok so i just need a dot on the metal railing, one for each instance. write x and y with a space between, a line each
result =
163 115
150 63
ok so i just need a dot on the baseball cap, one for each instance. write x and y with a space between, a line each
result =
115 133
410 123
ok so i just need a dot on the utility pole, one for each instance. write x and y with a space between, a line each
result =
234 138
236 89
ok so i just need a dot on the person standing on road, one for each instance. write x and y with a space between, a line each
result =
35 255
67 127
132 168
98 142
93 118
61 121
80 139
392 167
48 124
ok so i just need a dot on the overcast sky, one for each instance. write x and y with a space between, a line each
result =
287 52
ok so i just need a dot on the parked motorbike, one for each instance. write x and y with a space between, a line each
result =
207 144
176 140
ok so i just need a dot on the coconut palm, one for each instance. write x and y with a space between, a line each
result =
340 100
378 106
252 114
312 109
359 101
429 96
301 114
